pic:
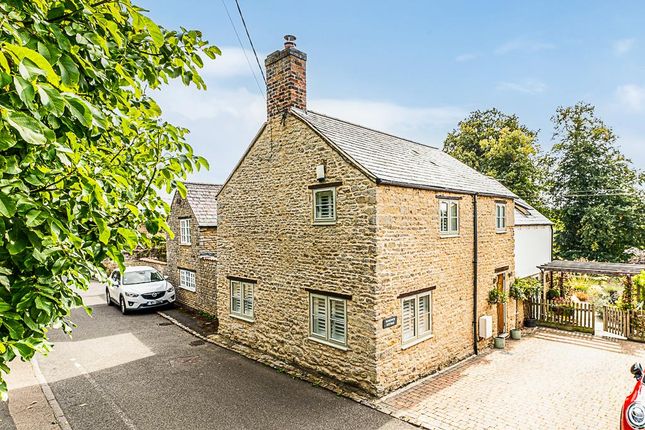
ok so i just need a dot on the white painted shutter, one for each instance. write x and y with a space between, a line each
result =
236 297
325 205
337 320
425 314
248 300
454 217
319 316
443 215
408 319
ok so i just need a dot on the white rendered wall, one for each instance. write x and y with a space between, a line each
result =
532 248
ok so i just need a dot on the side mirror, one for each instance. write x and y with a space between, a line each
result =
637 370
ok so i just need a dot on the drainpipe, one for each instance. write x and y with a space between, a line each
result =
475 251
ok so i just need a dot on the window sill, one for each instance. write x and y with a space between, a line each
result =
192 290
501 231
448 235
184 244
333 345
411 343
324 222
242 318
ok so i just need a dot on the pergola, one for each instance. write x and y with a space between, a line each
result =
590 268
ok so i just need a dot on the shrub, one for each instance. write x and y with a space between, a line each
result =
582 296
552 294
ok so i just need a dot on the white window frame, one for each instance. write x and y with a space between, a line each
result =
247 294
187 280
500 227
449 231
184 231
324 221
418 336
327 338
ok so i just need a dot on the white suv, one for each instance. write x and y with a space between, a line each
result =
139 287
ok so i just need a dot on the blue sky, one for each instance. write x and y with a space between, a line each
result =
415 68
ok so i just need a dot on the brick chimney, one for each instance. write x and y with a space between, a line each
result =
286 79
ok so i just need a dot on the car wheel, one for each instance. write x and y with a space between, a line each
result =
124 310
108 299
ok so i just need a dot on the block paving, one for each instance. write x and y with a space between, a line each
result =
548 380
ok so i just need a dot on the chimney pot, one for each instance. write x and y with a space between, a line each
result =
290 41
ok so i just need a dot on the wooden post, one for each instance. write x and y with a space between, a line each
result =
593 319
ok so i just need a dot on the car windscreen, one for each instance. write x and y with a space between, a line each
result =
141 277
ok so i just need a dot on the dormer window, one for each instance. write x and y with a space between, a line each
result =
184 231
324 205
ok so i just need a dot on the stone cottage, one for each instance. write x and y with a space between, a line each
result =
192 254
353 253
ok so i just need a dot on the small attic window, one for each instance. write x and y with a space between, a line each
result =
324 200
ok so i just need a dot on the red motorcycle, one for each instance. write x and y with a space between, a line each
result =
633 415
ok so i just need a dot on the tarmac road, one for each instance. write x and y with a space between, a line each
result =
141 372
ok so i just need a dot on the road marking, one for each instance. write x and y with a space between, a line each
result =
108 399
49 395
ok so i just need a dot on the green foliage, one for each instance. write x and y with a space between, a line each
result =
552 294
524 288
597 196
497 145
83 151
496 296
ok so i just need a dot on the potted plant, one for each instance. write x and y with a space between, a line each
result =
496 296
518 293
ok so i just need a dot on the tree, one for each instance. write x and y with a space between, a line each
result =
597 196
83 151
497 145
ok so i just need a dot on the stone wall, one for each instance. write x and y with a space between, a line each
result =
191 257
266 234
412 255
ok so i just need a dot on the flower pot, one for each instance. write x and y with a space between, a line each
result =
516 334
530 322
500 342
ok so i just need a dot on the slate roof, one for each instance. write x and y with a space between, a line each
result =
396 161
532 218
203 201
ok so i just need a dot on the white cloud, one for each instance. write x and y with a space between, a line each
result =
466 57
528 86
631 96
623 46
522 45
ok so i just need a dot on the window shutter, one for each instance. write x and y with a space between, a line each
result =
408 319
443 215
319 316
236 297
337 320
324 205
454 217
425 314
248 300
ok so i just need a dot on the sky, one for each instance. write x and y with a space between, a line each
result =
413 68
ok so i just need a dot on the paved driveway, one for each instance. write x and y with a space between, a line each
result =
550 380
141 372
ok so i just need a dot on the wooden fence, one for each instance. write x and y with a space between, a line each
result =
567 315
627 323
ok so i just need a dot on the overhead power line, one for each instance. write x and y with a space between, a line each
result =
237 3
239 40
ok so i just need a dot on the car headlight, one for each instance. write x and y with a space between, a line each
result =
169 287
131 294
636 415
